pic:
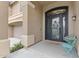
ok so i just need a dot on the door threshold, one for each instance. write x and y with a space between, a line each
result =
54 42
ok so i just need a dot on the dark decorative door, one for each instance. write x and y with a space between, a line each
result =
56 24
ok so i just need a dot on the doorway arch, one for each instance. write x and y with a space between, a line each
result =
60 30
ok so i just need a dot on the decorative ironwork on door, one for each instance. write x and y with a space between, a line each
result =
56 23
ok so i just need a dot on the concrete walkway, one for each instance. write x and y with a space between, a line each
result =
43 49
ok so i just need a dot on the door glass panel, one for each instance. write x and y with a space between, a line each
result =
63 26
55 28
58 11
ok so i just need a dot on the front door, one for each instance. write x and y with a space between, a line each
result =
56 24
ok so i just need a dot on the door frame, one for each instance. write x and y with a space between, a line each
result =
61 7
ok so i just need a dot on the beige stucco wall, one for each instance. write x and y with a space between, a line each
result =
15 30
15 8
35 26
4 48
35 22
15 19
4 42
18 31
10 31
3 20
25 19
70 14
76 23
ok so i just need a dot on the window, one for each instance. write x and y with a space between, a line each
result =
57 11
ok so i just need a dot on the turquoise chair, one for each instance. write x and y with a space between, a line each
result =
70 43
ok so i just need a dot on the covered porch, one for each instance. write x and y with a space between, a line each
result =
33 25
35 32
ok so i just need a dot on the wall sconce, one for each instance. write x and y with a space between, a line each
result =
74 18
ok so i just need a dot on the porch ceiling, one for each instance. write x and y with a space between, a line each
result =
44 3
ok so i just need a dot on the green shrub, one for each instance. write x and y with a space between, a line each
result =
16 47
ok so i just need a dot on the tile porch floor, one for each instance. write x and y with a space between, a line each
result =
43 49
